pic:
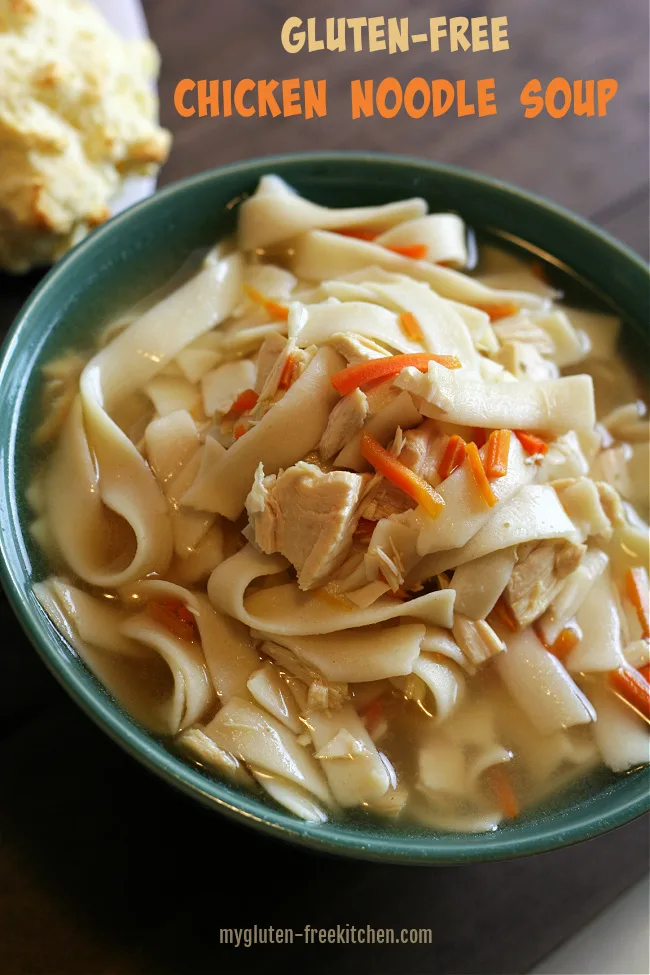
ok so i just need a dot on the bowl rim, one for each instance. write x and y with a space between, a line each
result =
330 837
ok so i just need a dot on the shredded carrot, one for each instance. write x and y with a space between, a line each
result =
401 593
410 326
503 614
636 588
496 454
503 791
530 443
245 401
645 672
239 431
273 307
358 233
401 476
633 688
445 263
286 375
497 311
416 251
453 456
568 638
373 713
175 617
478 473
365 528
361 373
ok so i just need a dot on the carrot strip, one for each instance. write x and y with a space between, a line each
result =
496 455
373 713
353 232
478 473
287 373
636 589
645 672
503 791
365 528
453 456
245 401
175 617
530 443
632 688
361 373
497 311
273 307
239 431
568 638
416 251
401 476
503 614
410 326
401 593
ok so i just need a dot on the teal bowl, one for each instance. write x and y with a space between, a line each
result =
138 251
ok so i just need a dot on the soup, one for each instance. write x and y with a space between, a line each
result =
357 521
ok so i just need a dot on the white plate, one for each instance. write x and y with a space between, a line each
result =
127 18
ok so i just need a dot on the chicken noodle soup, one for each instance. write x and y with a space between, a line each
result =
349 524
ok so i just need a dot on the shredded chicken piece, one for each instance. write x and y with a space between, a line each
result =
519 328
357 348
537 576
345 420
59 391
207 751
308 516
476 639
611 502
272 347
318 696
524 360
307 675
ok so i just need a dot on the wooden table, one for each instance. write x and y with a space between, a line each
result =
105 870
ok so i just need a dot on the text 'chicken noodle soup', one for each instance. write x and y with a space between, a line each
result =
349 524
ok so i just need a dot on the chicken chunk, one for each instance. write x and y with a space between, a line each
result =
345 420
272 347
357 348
537 577
306 515
420 452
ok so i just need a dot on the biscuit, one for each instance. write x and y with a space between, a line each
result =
78 115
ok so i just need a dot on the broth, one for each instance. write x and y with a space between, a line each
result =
319 713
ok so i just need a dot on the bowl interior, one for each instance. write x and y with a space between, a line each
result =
135 254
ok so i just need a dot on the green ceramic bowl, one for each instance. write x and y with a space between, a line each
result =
134 254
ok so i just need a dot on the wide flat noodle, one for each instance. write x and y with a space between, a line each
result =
534 513
540 685
359 317
284 609
355 656
479 583
320 256
109 517
443 235
552 404
285 435
276 213
465 510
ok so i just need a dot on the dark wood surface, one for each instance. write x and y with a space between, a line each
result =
103 869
